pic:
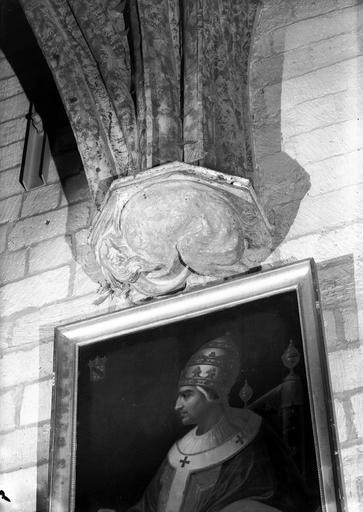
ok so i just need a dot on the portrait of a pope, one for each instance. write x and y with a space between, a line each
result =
229 461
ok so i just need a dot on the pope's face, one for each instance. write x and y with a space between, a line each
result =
191 405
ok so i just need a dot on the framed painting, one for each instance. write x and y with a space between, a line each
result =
212 400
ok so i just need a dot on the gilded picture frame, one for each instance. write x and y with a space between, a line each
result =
115 370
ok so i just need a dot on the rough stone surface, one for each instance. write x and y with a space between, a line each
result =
83 285
24 447
305 89
24 366
357 404
96 95
8 408
335 173
12 266
3 233
340 421
34 292
40 324
78 216
14 107
9 87
325 244
85 256
353 464
36 404
10 156
49 254
342 207
315 29
346 369
325 142
330 328
52 174
75 188
41 200
350 319
318 83
6 71
321 112
296 63
337 283
5 334
38 228
10 208
12 131
317 7
48 225
9 183
27 488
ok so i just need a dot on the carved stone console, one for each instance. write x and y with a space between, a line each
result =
177 225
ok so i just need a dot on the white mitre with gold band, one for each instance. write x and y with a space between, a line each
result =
234 431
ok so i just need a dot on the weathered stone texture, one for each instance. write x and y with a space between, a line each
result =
3 234
22 366
340 420
75 189
36 403
325 244
99 106
34 292
10 208
322 112
335 173
27 488
157 81
292 64
315 29
325 142
14 107
314 56
353 464
9 87
41 200
350 320
12 131
6 71
337 208
9 183
330 328
40 324
48 225
10 156
12 266
357 404
346 368
332 79
8 408
78 216
337 283
5 334
318 7
50 254
24 447
83 285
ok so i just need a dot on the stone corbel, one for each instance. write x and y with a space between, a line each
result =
176 226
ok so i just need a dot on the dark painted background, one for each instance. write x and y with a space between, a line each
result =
126 423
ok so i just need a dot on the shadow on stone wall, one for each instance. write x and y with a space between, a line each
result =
280 181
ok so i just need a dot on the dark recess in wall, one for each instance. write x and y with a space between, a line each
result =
20 47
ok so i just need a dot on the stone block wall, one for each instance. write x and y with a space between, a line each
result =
42 285
306 85
306 82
